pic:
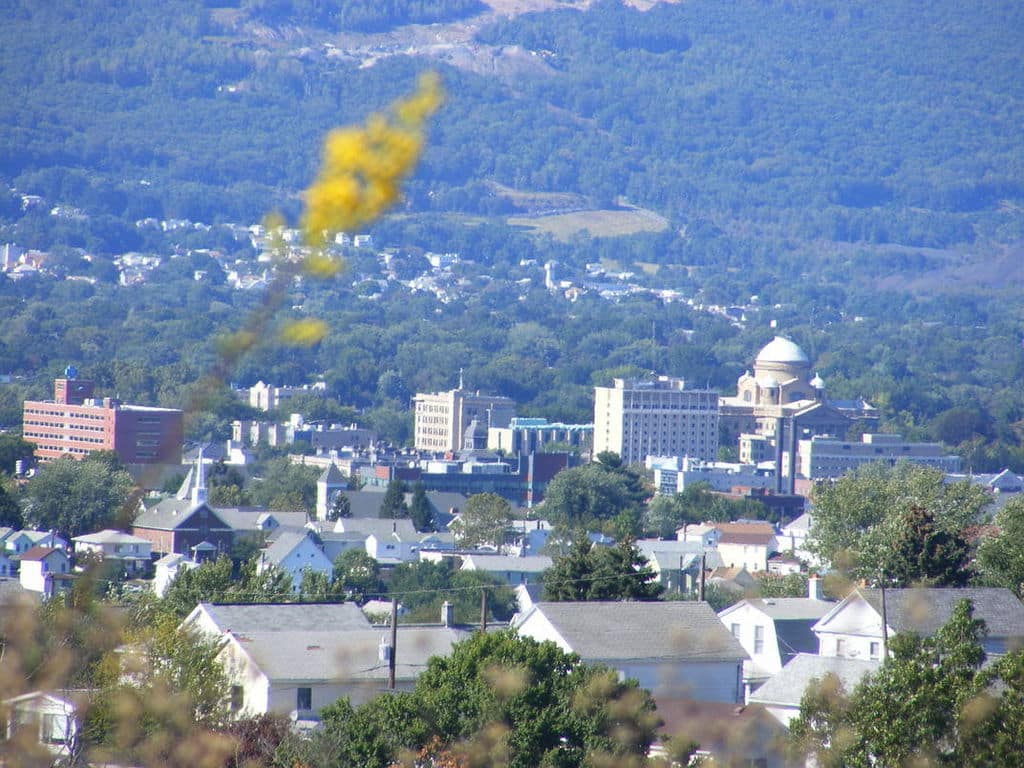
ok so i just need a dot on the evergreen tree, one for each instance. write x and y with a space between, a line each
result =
589 572
420 510
393 505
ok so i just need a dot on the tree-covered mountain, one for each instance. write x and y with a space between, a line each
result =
856 166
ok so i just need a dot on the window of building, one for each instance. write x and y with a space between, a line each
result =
237 698
735 630
758 639
56 729
840 646
875 650
304 699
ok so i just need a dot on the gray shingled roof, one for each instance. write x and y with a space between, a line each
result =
924 611
309 656
671 631
283 546
331 475
792 608
169 513
382 528
287 617
788 686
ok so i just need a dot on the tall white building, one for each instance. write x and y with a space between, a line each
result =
637 418
442 418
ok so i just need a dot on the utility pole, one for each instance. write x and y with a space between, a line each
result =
885 623
483 610
394 643
703 567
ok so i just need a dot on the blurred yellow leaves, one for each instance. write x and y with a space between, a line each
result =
363 166
303 333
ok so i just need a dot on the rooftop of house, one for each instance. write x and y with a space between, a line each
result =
110 536
658 630
401 528
284 545
321 655
169 513
40 553
924 611
281 617
527 564
788 686
785 608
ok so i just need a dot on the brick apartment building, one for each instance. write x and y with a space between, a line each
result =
74 423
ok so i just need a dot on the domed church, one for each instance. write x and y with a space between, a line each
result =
783 396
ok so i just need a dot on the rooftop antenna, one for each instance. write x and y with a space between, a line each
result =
460 378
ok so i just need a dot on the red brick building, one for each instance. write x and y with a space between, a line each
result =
76 424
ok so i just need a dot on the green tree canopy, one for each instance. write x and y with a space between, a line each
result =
593 494
859 517
393 505
590 572
485 519
500 699
420 510
931 703
1001 557
76 497
357 576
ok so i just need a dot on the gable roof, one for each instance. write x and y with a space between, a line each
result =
924 611
668 631
785 608
281 617
171 514
383 528
319 656
332 475
287 543
110 536
41 553
788 686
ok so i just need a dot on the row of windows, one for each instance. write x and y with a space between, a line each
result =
66 414
65 438
63 426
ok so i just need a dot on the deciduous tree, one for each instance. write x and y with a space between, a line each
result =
484 520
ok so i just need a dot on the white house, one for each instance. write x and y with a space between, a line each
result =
676 649
772 631
166 570
38 567
24 540
38 724
512 570
301 671
740 544
294 552
134 552
782 694
853 628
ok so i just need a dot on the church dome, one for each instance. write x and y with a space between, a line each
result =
817 382
782 350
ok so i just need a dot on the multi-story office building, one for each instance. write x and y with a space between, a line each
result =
76 424
524 435
442 418
637 418
822 458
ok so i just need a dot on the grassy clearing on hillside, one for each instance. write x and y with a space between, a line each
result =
603 223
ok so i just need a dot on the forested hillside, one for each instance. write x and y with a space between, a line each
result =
856 166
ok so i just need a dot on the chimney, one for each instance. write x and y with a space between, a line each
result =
447 613
814 588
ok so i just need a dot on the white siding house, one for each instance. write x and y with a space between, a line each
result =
675 649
